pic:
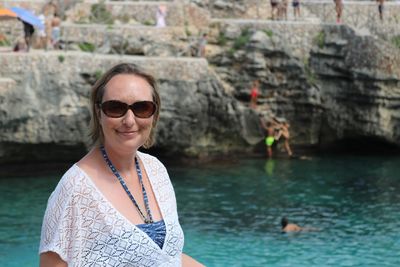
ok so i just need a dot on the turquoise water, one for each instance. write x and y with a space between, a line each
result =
231 211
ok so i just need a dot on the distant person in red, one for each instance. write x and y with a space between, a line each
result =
339 10
254 94
380 8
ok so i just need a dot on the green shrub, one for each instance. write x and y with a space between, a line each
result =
148 23
100 14
320 39
87 47
242 40
125 18
396 41
268 32
61 58
310 75
221 40
98 74
5 42
231 51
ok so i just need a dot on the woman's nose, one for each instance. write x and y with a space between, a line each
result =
129 118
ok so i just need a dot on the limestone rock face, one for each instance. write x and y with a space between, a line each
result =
359 77
286 89
44 107
346 87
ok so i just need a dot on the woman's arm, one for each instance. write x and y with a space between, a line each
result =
51 259
188 261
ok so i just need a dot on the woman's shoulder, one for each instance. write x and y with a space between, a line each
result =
149 159
70 182
154 167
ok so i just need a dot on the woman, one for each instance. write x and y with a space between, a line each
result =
116 206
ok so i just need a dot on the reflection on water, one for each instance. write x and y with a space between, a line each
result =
231 212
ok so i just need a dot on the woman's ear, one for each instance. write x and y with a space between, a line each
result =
98 114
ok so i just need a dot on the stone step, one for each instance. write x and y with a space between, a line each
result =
125 39
165 68
143 12
139 12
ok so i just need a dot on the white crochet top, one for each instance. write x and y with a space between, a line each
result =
84 229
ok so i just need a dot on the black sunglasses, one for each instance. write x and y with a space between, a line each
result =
117 109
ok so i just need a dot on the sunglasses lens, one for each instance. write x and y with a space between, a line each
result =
114 109
143 109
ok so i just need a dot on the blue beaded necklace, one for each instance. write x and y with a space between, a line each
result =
148 219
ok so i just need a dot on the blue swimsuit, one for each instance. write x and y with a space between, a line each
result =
155 231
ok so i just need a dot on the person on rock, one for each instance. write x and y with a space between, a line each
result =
269 128
274 9
254 92
380 8
339 10
161 13
28 33
296 8
283 131
116 206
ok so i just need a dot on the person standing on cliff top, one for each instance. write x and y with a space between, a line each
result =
296 8
380 8
282 9
48 10
274 9
56 32
28 33
339 10
160 16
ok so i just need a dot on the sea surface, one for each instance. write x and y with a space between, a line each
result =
231 210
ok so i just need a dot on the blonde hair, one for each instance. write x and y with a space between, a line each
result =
95 130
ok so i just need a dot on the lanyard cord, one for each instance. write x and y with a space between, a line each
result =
139 172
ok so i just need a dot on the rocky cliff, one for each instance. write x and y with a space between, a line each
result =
44 111
331 82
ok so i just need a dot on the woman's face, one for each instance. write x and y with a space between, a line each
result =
127 133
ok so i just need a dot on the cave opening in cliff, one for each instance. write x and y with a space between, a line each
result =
364 146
